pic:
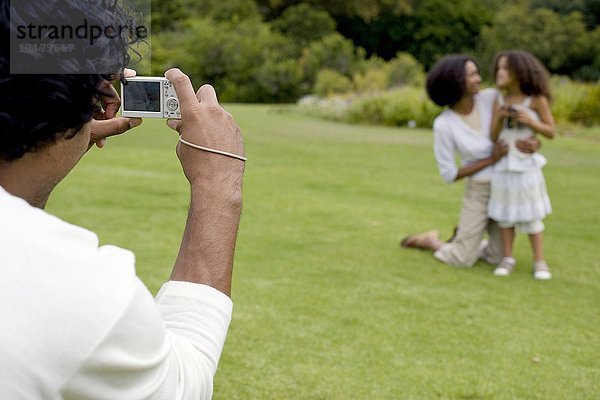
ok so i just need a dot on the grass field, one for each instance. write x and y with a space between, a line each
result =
327 306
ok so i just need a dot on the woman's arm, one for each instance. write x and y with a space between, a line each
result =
499 151
444 149
545 125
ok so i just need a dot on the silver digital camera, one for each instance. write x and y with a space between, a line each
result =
149 97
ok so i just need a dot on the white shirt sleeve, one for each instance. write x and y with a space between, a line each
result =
164 349
444 149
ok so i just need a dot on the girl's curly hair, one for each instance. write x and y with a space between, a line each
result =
533 77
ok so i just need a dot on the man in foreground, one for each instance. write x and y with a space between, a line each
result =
77 322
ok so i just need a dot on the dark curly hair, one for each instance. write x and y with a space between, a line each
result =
35 109
533 77
446 79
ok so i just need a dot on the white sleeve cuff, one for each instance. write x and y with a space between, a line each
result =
196 291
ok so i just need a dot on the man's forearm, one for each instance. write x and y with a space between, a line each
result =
208 244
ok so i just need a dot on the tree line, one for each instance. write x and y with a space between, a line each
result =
280 50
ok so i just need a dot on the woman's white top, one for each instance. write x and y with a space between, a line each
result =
452 135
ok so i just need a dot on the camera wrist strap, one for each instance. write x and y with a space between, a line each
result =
208 149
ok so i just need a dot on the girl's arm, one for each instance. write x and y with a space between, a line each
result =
496 121
545 125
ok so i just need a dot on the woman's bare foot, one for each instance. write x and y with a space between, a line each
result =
427 240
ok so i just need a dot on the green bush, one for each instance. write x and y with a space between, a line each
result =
427 111
588 109
304 24
367 110
333 52
229 11
404 69
399 107
279 79
372 80
249 63
331 82
567 95
574 102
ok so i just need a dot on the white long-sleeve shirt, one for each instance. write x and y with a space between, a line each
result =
79 324
452 135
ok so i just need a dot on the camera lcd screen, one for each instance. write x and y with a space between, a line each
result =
142 96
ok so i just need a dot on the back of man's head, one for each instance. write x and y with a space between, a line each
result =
38 108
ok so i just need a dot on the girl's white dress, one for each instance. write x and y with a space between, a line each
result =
518 188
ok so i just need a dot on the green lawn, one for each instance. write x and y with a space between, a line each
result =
327 306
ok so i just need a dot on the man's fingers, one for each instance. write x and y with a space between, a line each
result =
207 95
111 104
174 124
183 87
110 127
129 73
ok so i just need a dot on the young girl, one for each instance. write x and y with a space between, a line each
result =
518 195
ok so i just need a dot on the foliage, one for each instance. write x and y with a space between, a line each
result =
333 52
443 27
330 82
590 9
248 63
304 24
279 79
404 69
574 102
435 28
232 11
567 96
372 76
366 9
398 107
166 14
249 59
174 14
588 109
561 42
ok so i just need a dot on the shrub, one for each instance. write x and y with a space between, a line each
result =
304 24
330 82
399 107
567 95
371 81
376 75
333 52
279 79
249 63
404 69
574 102
588 109
367 109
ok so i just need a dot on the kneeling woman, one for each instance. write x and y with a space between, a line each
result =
463 128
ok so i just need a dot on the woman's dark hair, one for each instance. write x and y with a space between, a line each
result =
533 77
38 109
446 79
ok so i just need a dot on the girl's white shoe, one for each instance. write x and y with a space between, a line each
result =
505 267
541 271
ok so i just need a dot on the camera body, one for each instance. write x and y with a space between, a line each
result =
149 97
510 120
